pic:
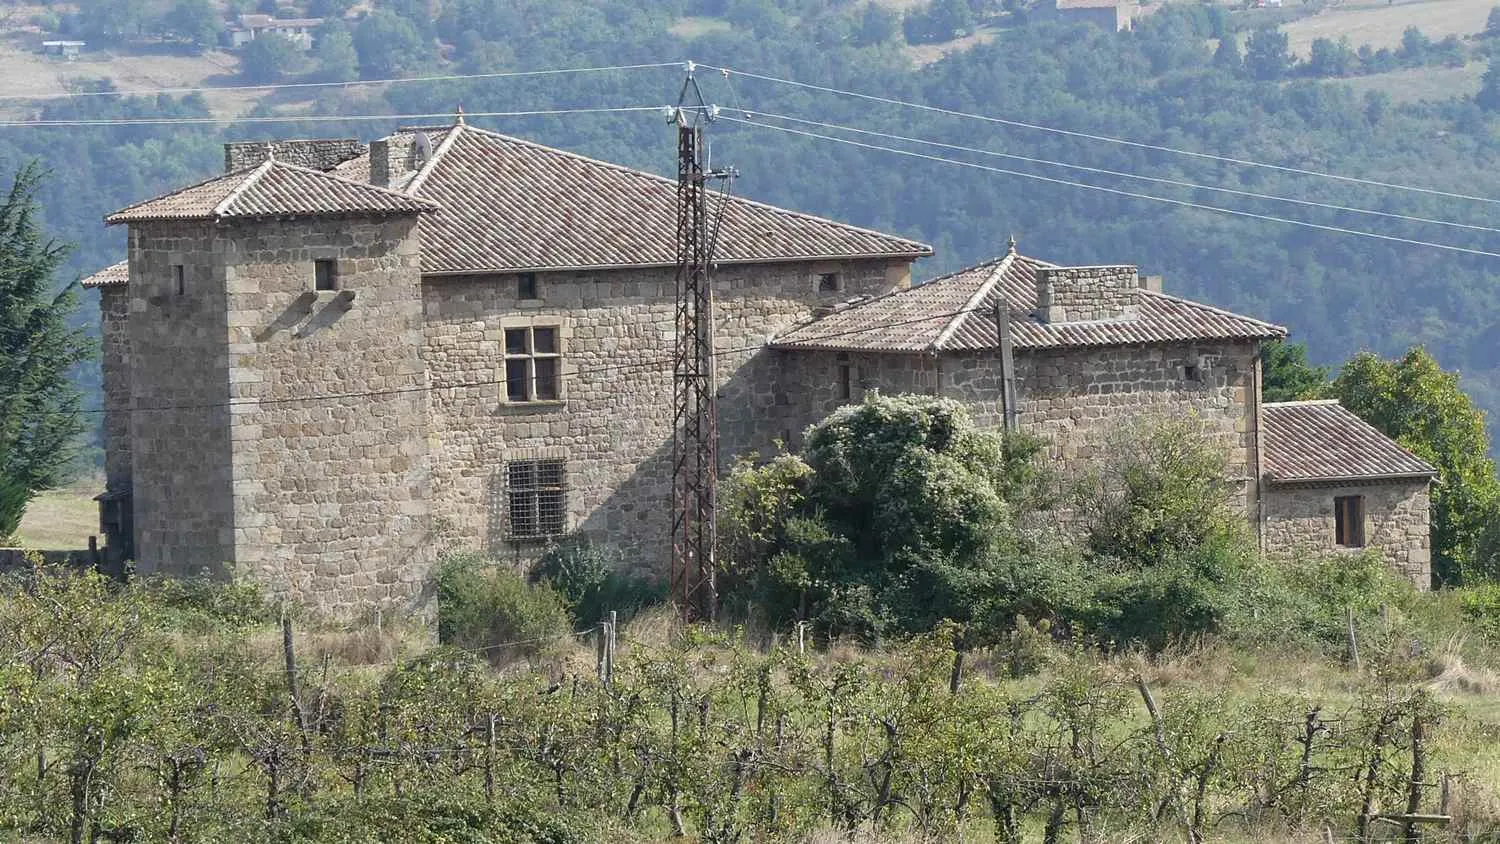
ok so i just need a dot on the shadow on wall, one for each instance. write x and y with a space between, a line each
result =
635 516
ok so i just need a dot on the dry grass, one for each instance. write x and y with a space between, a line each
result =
1422 83
62 519
1380 24
692 26
925 54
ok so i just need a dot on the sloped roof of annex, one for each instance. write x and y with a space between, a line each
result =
1325 442
957 313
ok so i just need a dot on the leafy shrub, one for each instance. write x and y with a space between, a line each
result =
593 580
201 603
1480 606
483 606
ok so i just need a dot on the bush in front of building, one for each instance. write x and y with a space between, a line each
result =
485 607
594 580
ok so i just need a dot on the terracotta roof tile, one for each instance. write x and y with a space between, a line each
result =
272 189
509 204
1321 441
110 276
956 313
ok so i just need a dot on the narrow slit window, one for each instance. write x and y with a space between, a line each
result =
846 381
538 499
526 286
533 364
1349 521
179 280
325 275
829 283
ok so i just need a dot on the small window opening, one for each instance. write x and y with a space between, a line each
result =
325 275
829 283
179 280
1190 373
846 378
526 286
1349 521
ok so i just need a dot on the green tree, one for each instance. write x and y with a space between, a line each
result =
1492 23
389 45
1488 97
337 59
1417 403
1267 54
1331 58
1227 54
269 57
877 25
195 21
1414 46
39 414
1285 373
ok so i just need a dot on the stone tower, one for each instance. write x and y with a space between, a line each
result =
278 401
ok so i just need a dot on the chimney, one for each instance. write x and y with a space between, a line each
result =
1151 283
395 157
313 153
1087 294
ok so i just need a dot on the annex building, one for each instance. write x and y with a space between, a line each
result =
335 356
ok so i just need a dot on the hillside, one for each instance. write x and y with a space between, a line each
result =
1160 85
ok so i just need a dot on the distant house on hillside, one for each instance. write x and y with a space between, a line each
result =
1113 15
63 49
324 359
251 27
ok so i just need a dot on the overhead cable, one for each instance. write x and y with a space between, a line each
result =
1225 159
1118 192
314 118
751 115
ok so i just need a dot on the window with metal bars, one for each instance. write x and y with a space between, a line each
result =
537 498
533 364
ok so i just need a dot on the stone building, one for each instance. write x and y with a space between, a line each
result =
322 363
1109 15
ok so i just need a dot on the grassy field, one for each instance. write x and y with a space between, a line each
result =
1380 24
1422 83
693 26
62 518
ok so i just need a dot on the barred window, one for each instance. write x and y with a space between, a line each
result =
533 364
538 498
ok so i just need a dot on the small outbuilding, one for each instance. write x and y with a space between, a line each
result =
1334 483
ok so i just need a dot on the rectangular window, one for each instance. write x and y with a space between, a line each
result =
325 275
846 380
829 283
533 364
538 496
1190 373
1349 521
526 286
179 280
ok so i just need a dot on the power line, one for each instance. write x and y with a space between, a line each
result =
1116 191
446 115
275 86
1124 175
1106 138
661 363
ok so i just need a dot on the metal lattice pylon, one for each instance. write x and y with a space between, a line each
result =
695 440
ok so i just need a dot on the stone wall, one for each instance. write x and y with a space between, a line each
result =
811 383
114 365
1083 294
1300 523
179 389
331 496
613 423
313 153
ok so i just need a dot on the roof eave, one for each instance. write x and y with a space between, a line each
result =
649 265
1334 480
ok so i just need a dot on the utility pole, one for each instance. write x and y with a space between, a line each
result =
695 417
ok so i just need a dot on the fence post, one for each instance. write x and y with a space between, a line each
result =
1353 640
801 638
602 649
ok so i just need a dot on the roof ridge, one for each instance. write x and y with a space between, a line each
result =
926 248
180 190
1304 402
324 174
437 155
255 176
972 306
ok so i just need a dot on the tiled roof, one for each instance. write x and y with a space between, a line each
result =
1321 441
509 204
109 276
272 189
956 313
